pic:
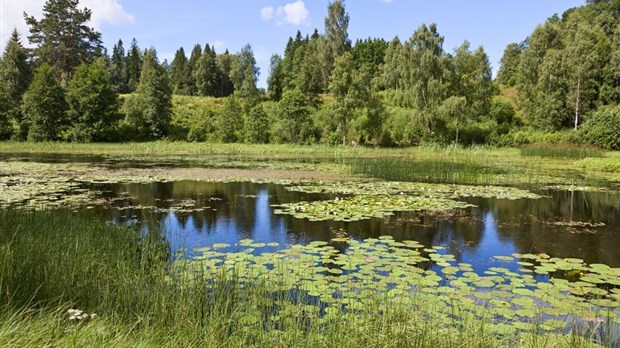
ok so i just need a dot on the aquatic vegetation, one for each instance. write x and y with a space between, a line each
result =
364 207
561 151
379 199
347 277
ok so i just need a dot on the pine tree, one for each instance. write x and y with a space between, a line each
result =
45 107
15 74
63 38
93 104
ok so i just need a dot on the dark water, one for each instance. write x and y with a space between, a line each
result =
566 224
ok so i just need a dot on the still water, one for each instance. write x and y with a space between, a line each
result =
191 214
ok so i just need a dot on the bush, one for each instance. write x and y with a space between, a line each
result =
603 128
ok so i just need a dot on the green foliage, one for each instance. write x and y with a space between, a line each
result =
203 128
603 128
244 73
293 115
561 151
93 104
63 38
275 81
133 64
5 124
230 121
118 68
257 126
509 65
350 89
336 32
179 73
16 74
149 112
45 107
207 75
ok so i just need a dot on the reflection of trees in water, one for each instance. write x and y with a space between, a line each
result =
525 223
531 225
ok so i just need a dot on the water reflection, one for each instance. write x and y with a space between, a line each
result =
192 214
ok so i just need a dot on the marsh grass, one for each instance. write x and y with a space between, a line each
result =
566 151
53 261
426 170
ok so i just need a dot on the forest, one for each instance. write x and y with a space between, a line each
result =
560 85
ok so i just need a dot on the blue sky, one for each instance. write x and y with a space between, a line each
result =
267 24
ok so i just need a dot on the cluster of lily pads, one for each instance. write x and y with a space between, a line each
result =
350 276
382 198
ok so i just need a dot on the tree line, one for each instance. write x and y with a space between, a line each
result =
561 84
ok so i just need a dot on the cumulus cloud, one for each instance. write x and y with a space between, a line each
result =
103 12
266 13
295 12
108 11
292 13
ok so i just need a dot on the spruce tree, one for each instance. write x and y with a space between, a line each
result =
230 121
155 93
207 73
45 107
93 104
179 77
15 74
118 68
191 69
133 64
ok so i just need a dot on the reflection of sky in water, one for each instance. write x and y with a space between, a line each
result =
235 211
267 228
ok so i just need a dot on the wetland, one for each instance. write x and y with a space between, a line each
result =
272 249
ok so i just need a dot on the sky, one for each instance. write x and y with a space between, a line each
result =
267 24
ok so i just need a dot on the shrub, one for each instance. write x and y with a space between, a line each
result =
603 128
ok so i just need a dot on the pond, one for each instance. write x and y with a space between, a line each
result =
194 214
507 254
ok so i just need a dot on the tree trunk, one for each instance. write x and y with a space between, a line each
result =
577 102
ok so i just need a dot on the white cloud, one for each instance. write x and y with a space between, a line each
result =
219 46
387 1
266 13
103 11
292 13
107 11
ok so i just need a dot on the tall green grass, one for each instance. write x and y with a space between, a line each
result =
561 151
53 261
427 170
